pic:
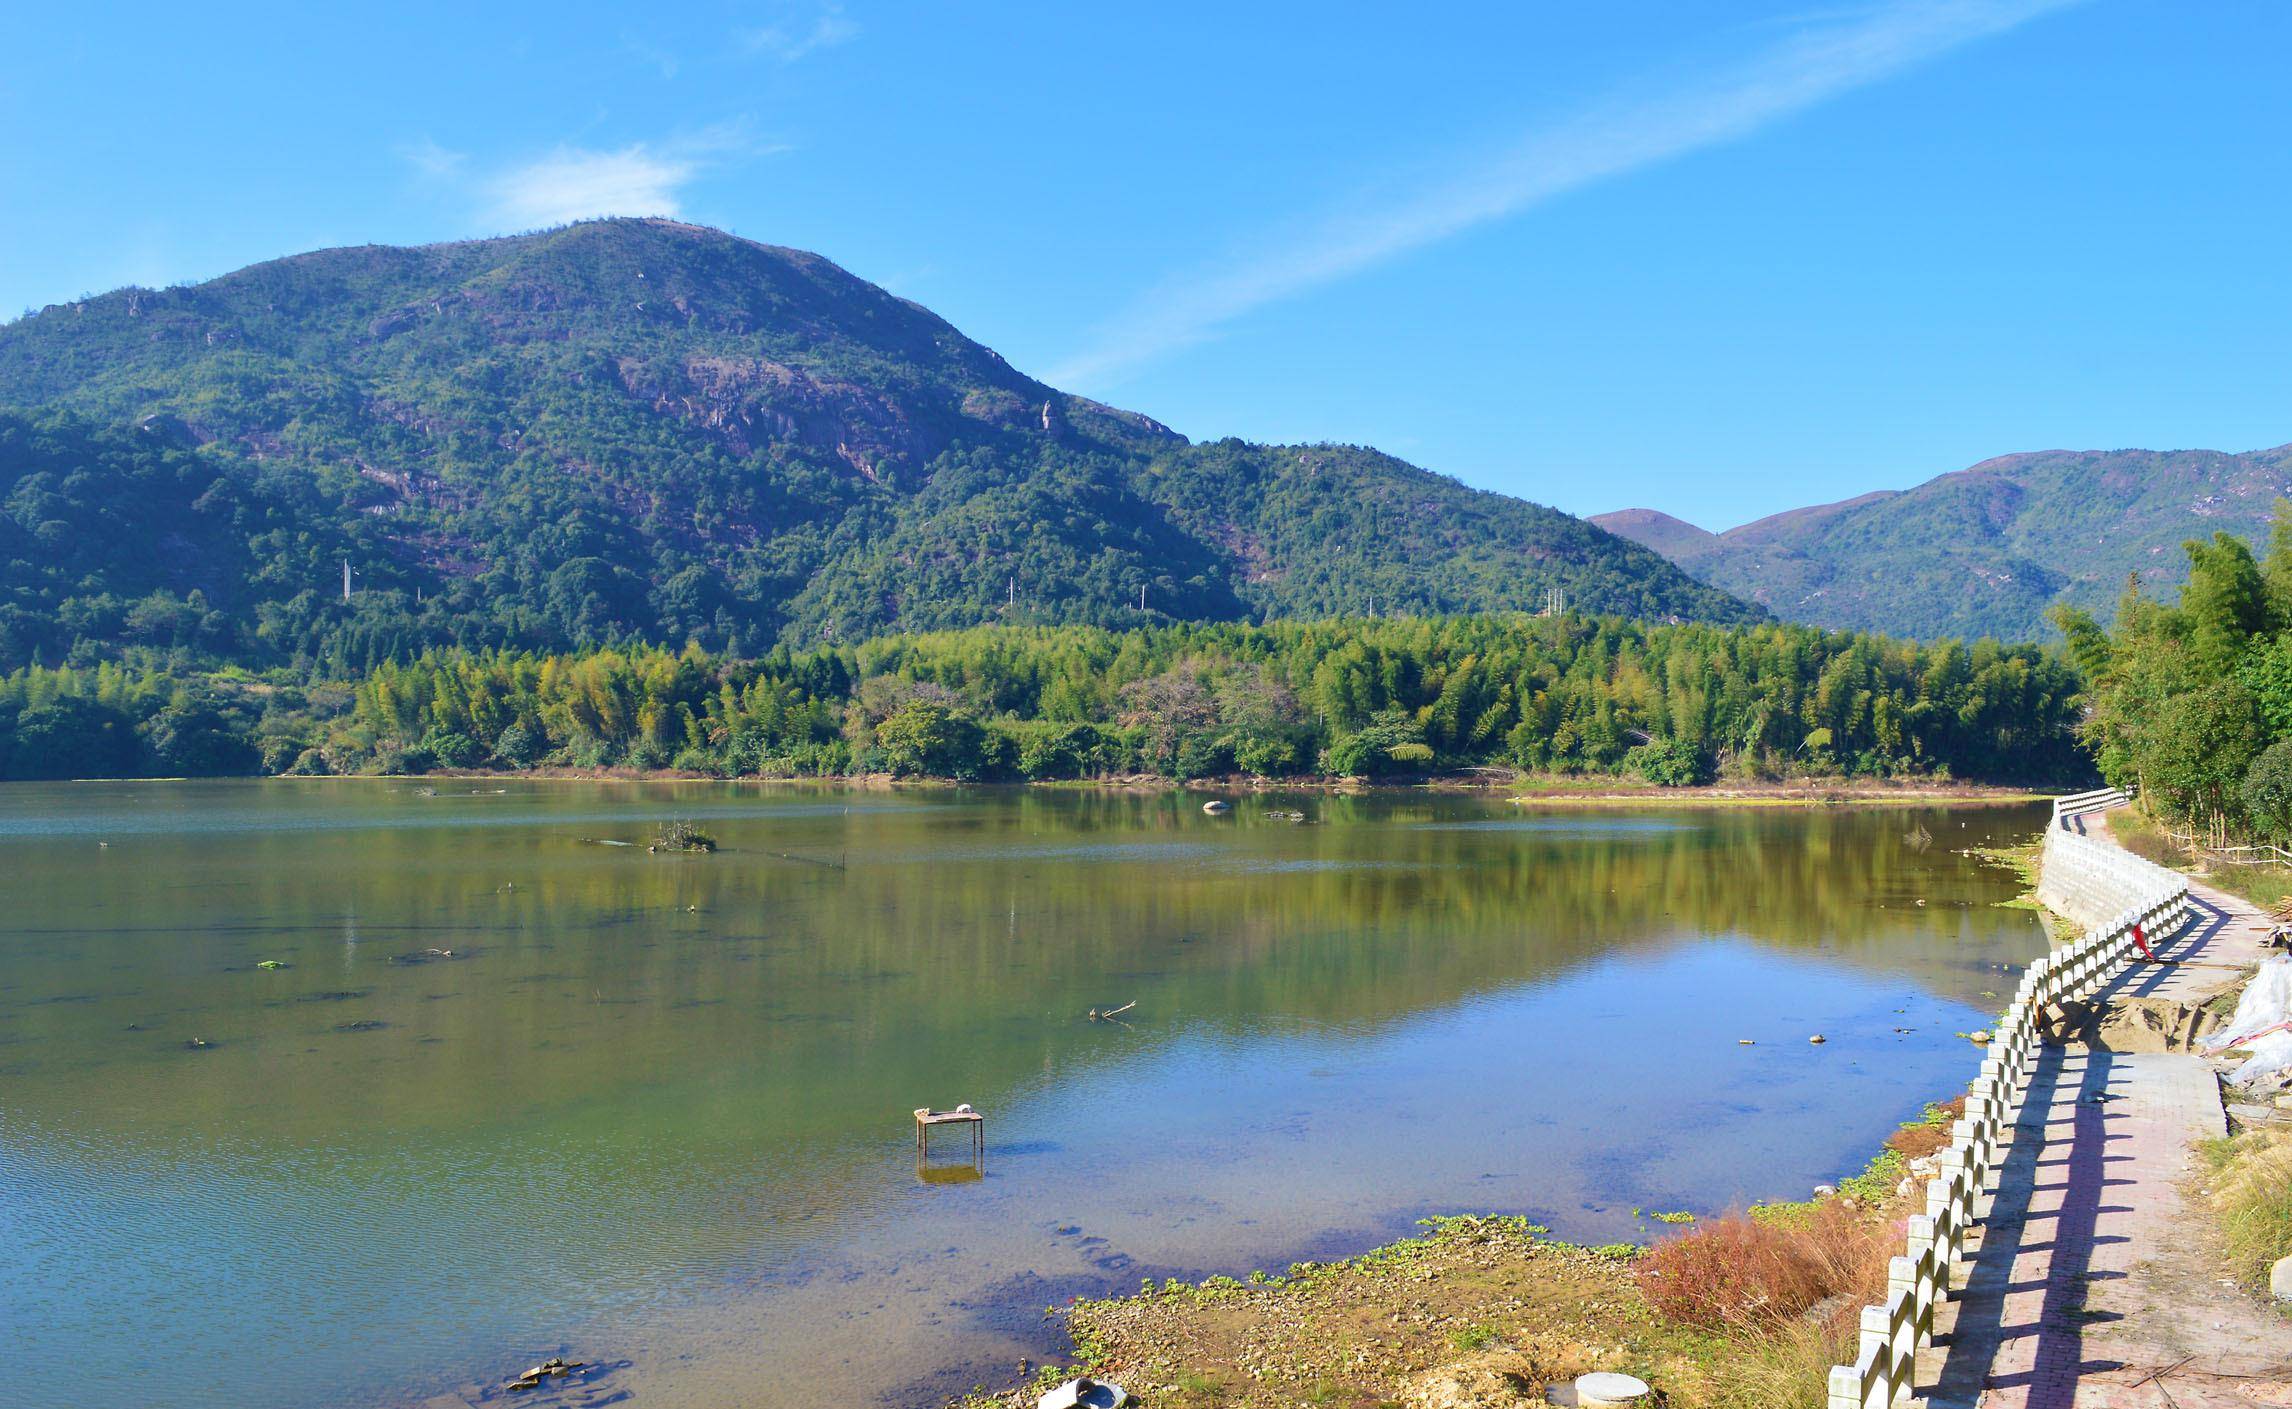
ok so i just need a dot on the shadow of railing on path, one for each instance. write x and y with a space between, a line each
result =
2051 1199
2033 1114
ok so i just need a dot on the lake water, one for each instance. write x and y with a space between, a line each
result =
653 1111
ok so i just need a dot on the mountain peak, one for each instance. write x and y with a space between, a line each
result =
1675 538
649 428
1986 550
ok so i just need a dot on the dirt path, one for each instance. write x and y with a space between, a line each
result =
2094 1284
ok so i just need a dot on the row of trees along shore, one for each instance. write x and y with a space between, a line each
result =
2192 702
1672 704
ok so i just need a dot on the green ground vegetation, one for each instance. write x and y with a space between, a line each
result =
2250 1185
2267 886
1730 1312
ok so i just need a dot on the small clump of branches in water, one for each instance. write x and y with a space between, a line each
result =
679 835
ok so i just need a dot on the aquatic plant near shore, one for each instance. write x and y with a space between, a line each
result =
682 836
1927 1136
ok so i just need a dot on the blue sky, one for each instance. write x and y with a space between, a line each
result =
1716 258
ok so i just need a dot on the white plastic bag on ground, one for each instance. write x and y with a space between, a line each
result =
2266 1002
2270 1055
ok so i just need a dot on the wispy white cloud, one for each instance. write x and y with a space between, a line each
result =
786 42
432 160
661 60
1816 62
572 183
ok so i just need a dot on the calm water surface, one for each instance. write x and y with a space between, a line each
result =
654 1109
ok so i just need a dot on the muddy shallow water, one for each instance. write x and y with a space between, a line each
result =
653 1111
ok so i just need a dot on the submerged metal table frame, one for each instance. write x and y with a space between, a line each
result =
927 1119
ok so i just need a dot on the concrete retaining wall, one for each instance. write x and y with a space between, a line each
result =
2092 882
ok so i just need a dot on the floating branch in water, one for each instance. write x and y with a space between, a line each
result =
1096 1015
808 860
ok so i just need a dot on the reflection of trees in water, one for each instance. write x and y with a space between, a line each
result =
750 999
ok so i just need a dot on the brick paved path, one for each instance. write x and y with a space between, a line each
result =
2087 1288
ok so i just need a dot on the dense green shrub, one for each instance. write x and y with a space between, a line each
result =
1669 763
195 740
452 748
520 745
2267 790
1392 742
1045 749
929 737
73 737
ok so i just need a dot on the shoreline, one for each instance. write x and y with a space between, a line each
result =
1486 1310
1539 791
1832 1155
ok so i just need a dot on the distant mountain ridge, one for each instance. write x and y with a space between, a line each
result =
1983 551
648 429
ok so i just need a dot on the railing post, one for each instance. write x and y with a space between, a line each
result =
1902 1327
1925 1285
1876 1342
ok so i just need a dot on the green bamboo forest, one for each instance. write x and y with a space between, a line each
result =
2191 701
1383 697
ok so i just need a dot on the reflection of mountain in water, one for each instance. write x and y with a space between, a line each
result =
961 939
695 1074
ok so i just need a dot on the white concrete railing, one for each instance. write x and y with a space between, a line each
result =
2149 896
2077 804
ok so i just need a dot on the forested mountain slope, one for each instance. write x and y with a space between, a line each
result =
1984 551
640 429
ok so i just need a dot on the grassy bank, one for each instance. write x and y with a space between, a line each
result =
1813 792
1539 790
2249 1182
2268 887
1746 1311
